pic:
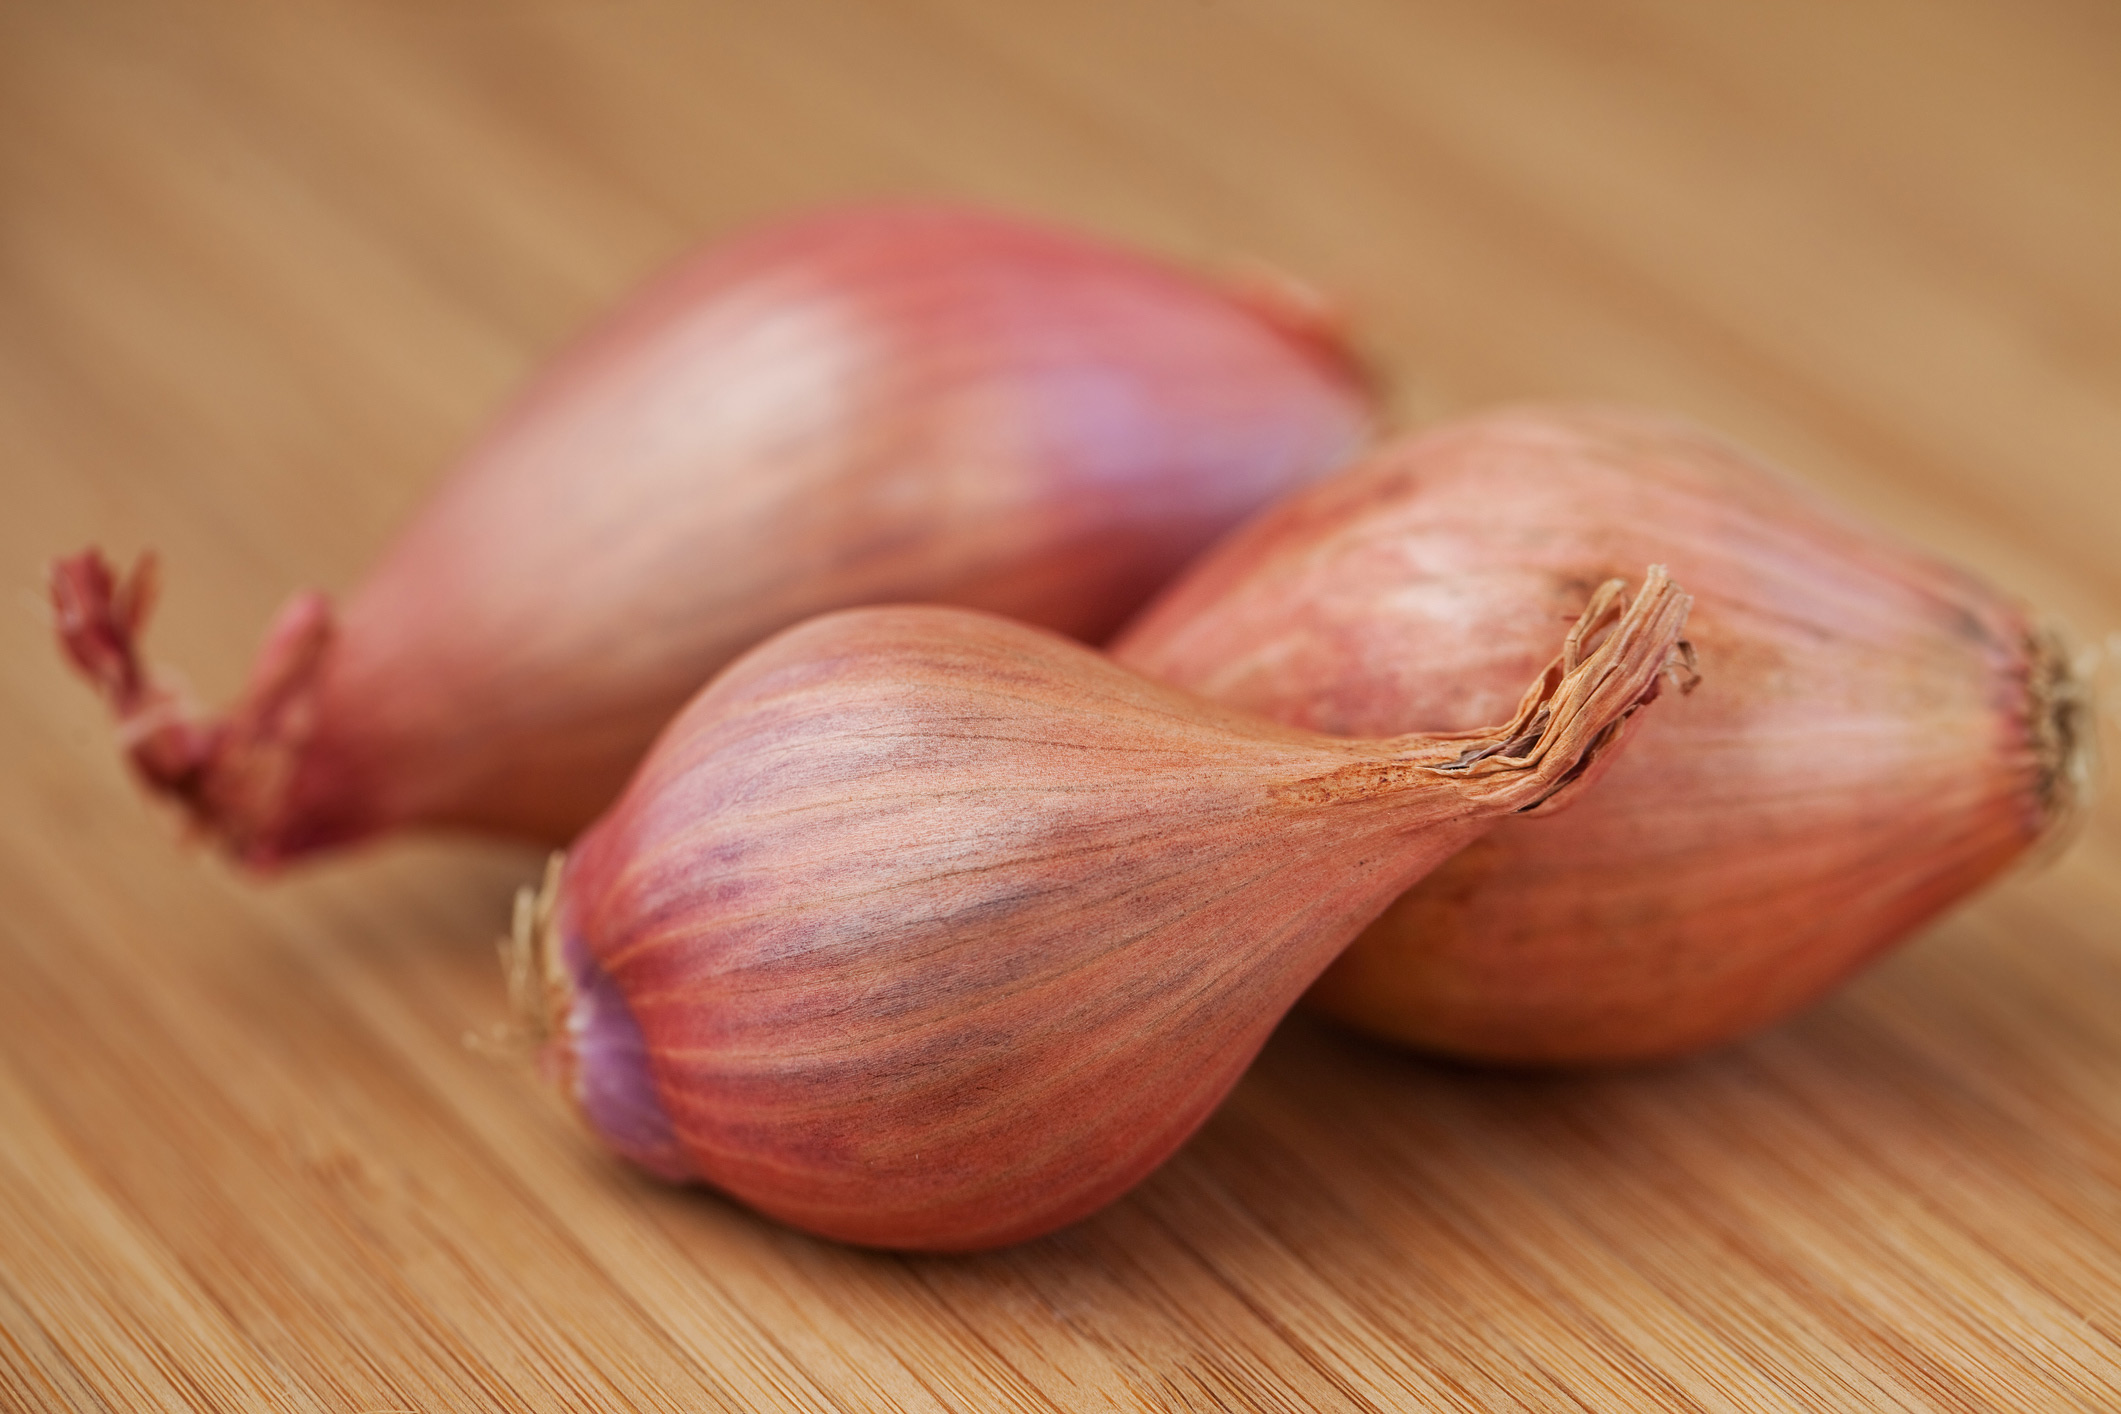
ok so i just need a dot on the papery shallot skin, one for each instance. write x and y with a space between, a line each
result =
921 928
1878 734
884 403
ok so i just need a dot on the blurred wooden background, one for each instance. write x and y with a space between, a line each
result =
264 267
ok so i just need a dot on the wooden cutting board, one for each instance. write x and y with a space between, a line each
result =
264 267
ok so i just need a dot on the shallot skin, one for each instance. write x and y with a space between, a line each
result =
1879 733
873 404
921 928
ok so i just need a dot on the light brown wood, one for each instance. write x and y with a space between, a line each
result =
264 267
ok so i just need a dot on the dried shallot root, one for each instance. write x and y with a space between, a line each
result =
922 928
894 403
1879 733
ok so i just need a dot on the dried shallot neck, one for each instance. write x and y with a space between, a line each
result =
2061 725
231 776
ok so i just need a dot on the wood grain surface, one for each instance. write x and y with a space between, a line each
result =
265 267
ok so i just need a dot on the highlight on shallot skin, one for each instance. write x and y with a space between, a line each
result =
922 928
1880 733
872 404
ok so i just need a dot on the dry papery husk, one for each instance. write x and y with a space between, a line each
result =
870 404
924 928
1878 733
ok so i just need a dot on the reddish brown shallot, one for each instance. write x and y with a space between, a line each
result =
925 929
873 404
1879 733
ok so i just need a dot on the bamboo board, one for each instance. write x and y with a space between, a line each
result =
263 268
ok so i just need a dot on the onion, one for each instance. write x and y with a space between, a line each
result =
872 404
921 928
1880 732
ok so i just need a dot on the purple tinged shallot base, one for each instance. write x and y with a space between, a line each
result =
612 1083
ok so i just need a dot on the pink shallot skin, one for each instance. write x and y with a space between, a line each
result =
922 928
1878 733
883 403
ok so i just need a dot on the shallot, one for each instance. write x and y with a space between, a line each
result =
873 404
922 928
1880 732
